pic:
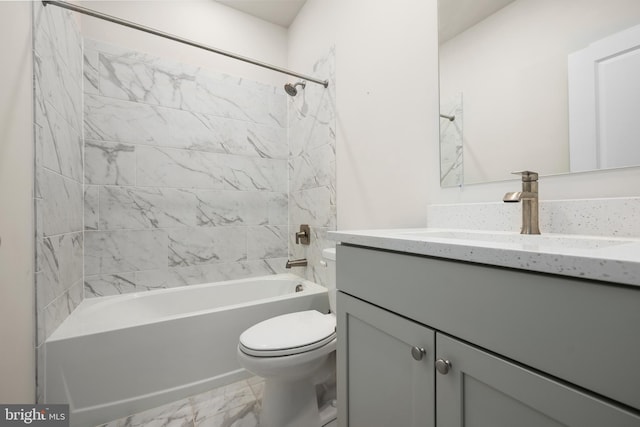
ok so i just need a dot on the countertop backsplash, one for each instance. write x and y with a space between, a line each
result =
618 217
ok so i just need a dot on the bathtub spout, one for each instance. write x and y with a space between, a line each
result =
302 262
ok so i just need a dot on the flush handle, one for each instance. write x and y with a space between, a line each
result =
418 352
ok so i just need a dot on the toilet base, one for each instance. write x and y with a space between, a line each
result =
289 404
328 414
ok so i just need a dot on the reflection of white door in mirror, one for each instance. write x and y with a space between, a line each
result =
604 103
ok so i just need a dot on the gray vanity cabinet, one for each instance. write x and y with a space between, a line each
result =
524 349
483 390
388 366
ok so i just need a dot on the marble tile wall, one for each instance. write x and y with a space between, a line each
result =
312 167
186 174
451 143
58 167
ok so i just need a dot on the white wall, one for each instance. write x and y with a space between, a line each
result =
203 21
17 305
386 84
387 106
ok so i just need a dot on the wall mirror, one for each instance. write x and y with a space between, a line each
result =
545 85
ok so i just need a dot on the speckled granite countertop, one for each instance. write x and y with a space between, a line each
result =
609 259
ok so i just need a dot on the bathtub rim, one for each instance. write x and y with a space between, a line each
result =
64 331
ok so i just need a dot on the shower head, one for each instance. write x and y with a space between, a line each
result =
291 89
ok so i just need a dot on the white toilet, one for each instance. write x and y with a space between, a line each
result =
293 353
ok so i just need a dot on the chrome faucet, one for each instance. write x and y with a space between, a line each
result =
529 198
302 262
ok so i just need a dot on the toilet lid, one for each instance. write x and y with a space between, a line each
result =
289 334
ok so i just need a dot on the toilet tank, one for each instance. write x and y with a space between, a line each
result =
329 256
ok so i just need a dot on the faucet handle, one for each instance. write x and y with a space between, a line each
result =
527 176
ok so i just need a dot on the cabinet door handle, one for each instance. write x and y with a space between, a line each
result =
418 352
443 366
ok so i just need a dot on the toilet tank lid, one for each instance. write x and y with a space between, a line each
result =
329 253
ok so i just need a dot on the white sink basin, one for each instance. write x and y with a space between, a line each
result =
532 241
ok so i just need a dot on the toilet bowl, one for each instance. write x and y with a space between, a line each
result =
293 353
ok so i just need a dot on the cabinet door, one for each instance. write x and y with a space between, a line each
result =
482 390
381 381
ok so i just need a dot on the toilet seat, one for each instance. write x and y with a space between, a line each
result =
289 334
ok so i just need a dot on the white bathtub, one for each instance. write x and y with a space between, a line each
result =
115 356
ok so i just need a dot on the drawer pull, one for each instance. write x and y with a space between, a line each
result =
443 366
418 352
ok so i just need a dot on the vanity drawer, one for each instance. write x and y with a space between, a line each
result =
584 332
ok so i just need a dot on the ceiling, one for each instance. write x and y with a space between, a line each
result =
456 16
279 12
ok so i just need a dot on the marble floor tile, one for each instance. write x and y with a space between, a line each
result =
222 400
243 416
233 405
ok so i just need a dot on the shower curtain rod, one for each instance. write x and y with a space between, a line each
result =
149 30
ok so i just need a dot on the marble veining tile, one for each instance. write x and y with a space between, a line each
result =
57 85
278 208
208 273
58 192
132 122
140 208
235 404
178 414
70 258
175 67
242 138
91 82
91 207
222 400
59 144
246 174
314 168
62 204
244 416
59 28
58 310
202 245
451 143
109 163
133 77
227 208
164 167
109 119
110 252
109 284
219 98
267 242
314 207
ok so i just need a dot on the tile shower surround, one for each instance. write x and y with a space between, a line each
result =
312 166
189 175
57 54
193 169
